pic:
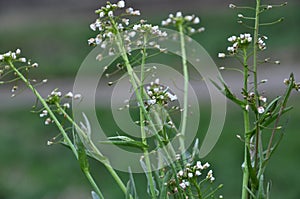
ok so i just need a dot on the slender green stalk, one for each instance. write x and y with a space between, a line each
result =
44 103
93 183
246 130
95 151
142 124
186 86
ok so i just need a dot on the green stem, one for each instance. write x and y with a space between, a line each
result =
93 183
44 103
142 119
95 150
246 130
186 85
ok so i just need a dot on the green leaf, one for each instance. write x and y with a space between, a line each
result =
131 188
226 91
125 141
82 156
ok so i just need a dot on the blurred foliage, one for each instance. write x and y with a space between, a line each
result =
30 169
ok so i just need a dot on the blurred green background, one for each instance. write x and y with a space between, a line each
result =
55 33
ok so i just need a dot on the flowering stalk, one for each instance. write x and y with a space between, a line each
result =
58 124
246 130
94 150
186 85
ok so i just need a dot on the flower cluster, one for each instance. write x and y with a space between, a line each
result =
55 98
158 94
241 42
251 98
108 24
186 21
261 43
190 176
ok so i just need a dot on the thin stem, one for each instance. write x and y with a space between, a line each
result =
95 150
93 183
44 103
142 119
246 130
186 85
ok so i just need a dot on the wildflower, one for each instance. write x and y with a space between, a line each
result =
121 4
48 121
18 51
206 165
263 99
49 143
221 55
179 14
190 175
261 43
199 165
260 109
182 185
110 13
188 18
196 20
66 105
180 173
45 80
240 15
277 62
22 59
247 107
44 113
197 173
69 95
232 6
269 7
35 65
77 96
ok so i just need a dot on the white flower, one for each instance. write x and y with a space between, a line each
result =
190 175
188 18
136 26
263 99
202 29
199 165
44 113
196 20
221 55
22 59
1 57
277 62
35 65
77 96
240 15
197 173
101 14
45 80
247 107
182 185
91 41
136 12
110 14
18 51
179 14
269 7
47 121
180 173
232 38
206 165
232 6
121 4
260 110
129 10
66 105
93 27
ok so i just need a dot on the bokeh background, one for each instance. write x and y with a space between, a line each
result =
54 34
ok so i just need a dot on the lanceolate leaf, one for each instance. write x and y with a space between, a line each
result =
125 141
